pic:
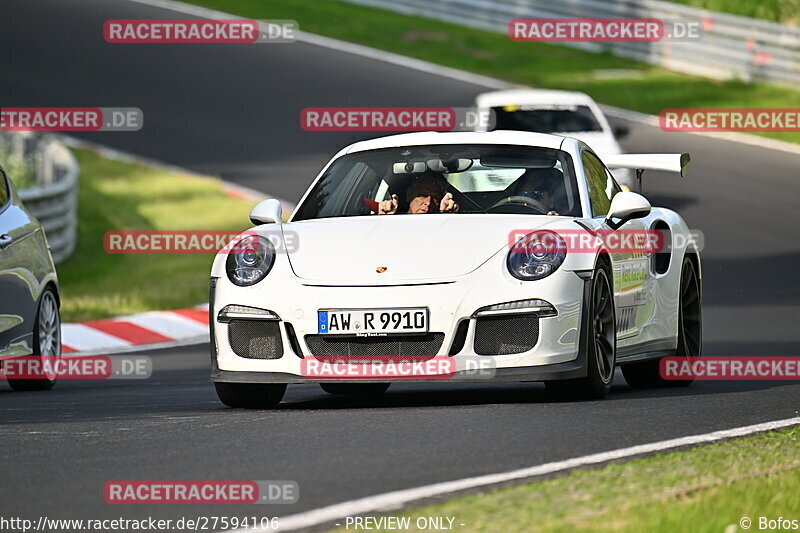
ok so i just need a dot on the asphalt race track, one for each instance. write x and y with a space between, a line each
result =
233 111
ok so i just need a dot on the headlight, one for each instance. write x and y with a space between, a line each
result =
249 260
536 256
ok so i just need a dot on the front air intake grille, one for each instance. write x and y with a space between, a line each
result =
256 339
503 335
428 344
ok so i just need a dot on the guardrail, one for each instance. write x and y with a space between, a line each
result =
53 196
731 46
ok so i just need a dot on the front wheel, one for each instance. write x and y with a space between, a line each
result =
46 344
250 395
601 334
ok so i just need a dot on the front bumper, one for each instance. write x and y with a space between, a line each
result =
557 353
568 370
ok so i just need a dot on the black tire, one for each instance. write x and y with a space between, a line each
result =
690 335
46 341
355 389
250 395
601 346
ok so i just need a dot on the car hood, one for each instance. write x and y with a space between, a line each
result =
406 249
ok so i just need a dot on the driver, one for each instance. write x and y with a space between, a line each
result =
538 184
426 194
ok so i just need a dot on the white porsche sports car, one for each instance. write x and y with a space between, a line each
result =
516 249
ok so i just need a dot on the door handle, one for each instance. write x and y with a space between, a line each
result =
5 240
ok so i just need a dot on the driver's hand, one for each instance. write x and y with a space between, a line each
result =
552 213
388 207
447 203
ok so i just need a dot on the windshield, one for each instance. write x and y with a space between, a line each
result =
547 119
446 178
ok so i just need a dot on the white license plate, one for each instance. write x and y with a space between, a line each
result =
372 321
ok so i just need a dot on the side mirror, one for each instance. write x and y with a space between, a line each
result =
621 131
267 212
626 206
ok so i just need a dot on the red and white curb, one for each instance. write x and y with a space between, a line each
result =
154 329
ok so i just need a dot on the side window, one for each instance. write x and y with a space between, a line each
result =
602 186
4 192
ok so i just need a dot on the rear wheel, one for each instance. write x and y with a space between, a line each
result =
601 346
690 335
250 395
355 389
46 344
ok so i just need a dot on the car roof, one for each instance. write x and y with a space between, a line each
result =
425 138
531 96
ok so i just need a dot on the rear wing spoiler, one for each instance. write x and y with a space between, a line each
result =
677 163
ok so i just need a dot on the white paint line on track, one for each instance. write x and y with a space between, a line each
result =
460 75
119 155
401 498
343 46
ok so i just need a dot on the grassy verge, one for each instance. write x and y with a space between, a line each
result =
609 79
116 195
784 11
709 488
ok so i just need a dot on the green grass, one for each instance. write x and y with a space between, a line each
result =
785 11
705 489
640 87
117 195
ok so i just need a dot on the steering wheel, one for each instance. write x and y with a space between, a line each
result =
521 200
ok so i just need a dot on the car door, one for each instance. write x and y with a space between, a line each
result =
18 284
630 262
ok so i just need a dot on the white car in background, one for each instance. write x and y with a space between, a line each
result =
567 113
